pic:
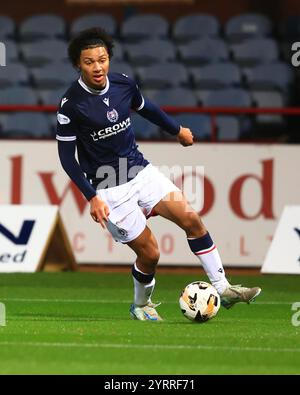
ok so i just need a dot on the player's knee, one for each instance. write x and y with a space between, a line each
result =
191 222
150 256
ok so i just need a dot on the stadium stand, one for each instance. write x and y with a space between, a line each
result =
7 27
245 62
245 26
107 21
203 50
40 53
161 75
42 27
195 26
141 27
27 124
150 52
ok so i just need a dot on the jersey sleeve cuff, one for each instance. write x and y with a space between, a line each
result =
65 138
142 105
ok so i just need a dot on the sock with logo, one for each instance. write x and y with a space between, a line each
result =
143 286
205 249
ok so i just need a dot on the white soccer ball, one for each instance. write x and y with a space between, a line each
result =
199 301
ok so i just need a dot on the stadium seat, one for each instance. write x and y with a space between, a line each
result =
268 99
231 97
118 51
27 124
172 97
150 52
203 50
42 27
244 26
41 53
14 74
216 76
144 27
54 75
195 26
3 117
144 129
228 128
51 97
105 21
121 67
163 75
270 76
254 51
18 95
12 52
7 27
199 124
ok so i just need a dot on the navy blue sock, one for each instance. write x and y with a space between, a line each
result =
204 243
142 277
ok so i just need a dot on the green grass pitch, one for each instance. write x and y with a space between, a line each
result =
78 323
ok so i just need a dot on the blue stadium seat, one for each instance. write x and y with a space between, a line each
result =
14 74
118 51
54 75
254 51
143 129
121 67
163 75
231 97
216 76
144 27
42 27
41 53
195 26
3 117
203 50
7 27
199 124
105 21
270 76
51 97
244 26
172 97
12 52
27 124
228 128
150 52
18 95
268 99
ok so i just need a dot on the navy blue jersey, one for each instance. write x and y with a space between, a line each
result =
100 123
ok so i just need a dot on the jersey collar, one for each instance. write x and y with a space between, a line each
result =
94 91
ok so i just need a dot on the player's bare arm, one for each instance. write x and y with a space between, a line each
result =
185 136
99 210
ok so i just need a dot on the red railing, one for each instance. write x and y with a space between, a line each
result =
212 111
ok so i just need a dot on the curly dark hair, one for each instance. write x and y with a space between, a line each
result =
89 38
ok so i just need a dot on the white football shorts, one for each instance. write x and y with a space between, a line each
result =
130 203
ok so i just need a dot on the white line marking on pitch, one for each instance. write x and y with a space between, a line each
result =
148 346
105 301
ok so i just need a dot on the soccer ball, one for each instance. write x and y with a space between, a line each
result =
199 301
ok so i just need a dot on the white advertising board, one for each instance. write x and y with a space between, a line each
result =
246 189
284 253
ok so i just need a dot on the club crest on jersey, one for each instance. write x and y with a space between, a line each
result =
112 115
